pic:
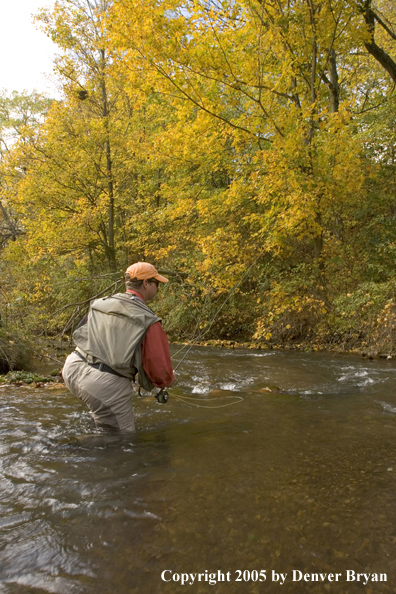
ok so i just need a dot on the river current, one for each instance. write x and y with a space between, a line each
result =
226 480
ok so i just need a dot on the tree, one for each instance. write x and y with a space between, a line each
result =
287 87
269 73
94 114
86 173
20 116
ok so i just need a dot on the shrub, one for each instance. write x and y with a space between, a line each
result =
15 351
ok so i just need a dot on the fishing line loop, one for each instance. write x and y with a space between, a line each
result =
186 398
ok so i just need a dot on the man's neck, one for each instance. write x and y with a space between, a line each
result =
134 292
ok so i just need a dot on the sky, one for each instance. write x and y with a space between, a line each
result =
26 52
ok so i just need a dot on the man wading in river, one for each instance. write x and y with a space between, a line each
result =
119 337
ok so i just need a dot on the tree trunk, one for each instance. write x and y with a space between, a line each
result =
13 231
377 52
333 80
109 171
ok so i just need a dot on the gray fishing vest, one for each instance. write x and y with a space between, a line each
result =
114 333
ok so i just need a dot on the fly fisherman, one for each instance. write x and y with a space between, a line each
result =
119 337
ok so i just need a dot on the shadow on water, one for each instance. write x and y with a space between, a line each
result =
301 478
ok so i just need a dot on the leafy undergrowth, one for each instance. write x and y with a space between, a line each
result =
20 378
16 351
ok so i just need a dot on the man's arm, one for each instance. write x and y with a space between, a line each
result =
156 357
83 321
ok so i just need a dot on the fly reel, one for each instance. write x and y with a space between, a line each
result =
162 396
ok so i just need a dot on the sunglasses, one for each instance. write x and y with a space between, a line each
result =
153 280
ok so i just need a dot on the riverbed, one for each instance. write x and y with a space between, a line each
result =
262 463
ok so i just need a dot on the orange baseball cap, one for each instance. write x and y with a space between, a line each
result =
144 270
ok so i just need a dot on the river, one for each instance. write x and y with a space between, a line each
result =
226 480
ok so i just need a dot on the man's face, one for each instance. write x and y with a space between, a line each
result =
152 289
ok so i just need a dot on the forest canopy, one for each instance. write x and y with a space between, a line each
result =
229 142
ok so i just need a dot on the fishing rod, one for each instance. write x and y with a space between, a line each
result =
212 319
162 396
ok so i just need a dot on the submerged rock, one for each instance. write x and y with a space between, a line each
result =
269 389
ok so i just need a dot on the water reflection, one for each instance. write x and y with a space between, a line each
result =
300 479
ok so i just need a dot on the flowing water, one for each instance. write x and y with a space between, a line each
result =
302 479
